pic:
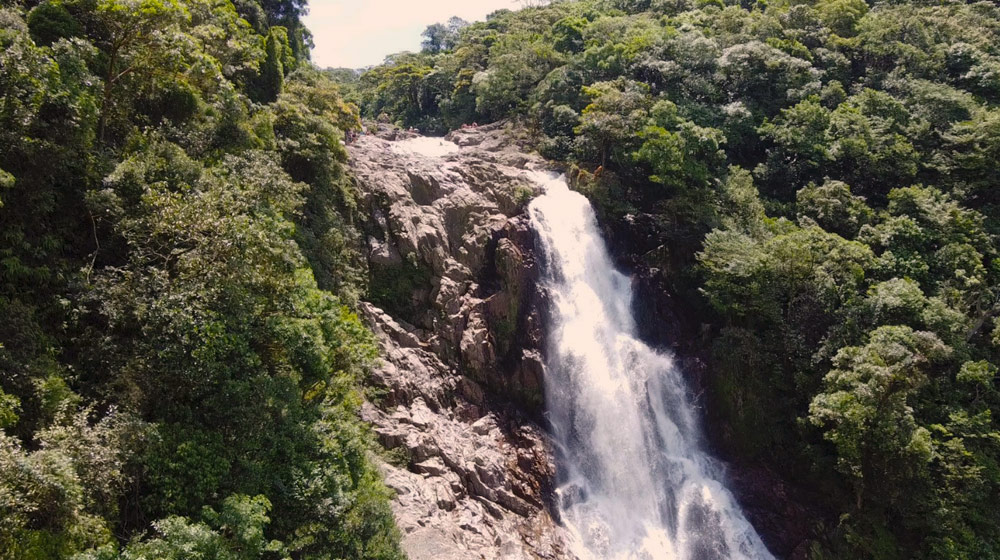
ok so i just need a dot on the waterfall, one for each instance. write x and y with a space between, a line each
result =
633 481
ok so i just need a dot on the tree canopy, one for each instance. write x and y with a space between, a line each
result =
179 361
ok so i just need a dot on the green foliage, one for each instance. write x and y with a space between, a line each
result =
51 21
833 207
864 406
765 75
178 244
616 113
801 146
272 72
9 407
568 33
687 157
761 280
57 498
520 62
391 287
140 39
399 91
237 532
309 121
842 16
440 37
173 381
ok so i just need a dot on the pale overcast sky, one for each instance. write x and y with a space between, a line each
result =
357 33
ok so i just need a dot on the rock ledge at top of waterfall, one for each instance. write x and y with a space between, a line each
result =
425 146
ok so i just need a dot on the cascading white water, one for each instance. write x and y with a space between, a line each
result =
634 483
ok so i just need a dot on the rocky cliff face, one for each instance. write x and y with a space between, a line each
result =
454 305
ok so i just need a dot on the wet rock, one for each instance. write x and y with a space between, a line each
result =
777 510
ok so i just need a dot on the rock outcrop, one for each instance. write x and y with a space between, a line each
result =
455 307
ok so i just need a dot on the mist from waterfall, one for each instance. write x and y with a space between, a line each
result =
633 481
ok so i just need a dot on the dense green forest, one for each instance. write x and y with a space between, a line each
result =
178 362
821 180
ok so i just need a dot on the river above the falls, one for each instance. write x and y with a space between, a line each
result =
634 482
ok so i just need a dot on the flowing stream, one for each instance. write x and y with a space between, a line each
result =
633 481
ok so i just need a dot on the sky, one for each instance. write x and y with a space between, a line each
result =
358 33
